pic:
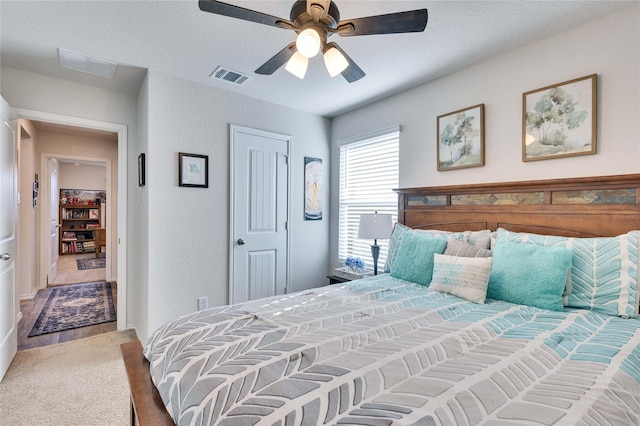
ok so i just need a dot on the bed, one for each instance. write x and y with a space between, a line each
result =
400 348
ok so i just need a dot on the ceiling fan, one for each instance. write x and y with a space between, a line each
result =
315 21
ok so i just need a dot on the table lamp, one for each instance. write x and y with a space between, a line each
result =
374 227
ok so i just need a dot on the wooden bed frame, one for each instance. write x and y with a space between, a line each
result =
579 207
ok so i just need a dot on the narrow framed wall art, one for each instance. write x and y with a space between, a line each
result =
312 188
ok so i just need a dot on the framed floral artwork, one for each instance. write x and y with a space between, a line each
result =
461 138
560 120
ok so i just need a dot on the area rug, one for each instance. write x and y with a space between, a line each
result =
75 306
91 263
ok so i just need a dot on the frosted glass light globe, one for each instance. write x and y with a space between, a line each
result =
308 43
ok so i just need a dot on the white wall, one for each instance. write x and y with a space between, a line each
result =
81 176
138 201
27 278
188 227
609 47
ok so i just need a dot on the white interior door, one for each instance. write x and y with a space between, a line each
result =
259 202
8 238
55 228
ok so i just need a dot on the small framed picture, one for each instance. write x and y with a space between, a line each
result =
35 191
193 170
560 120
141 171
461 138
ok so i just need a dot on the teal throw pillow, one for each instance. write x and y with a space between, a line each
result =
399 231
414 259
529 274
604 272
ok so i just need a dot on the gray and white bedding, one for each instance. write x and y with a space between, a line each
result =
383 351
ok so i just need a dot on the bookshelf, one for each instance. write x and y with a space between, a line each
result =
77 227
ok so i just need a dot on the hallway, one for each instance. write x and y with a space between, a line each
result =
68 273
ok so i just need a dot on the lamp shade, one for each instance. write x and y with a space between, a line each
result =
375 226
334 61
308 43
297 65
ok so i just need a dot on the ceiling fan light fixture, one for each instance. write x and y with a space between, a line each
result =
308 43
335 61
297 65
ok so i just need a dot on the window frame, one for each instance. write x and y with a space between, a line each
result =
353 202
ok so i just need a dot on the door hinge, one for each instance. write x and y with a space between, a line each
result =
286 159
286 226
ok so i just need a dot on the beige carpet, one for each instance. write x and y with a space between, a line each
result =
82 382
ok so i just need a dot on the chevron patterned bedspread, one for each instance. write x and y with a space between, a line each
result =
382 351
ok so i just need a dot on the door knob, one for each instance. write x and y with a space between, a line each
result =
240 242
5 256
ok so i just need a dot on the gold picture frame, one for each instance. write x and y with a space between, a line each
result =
560 120
464 127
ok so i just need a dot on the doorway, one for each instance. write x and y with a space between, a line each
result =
115 219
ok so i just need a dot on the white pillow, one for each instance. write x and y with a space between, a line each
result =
465 277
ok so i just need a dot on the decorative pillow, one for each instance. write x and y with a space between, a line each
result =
480 239
529 274
414 260
399 230
604 271
465 277
456 247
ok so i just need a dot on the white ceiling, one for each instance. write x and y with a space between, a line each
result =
176 38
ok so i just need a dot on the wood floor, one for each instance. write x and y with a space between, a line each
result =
67 274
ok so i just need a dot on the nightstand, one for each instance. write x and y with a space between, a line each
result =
334 279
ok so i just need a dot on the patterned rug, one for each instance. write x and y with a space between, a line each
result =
91 263
75 306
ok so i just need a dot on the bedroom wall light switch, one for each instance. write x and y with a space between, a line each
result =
203 303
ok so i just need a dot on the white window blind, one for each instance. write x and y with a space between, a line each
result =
368 175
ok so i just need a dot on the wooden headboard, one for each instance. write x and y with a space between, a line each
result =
577 207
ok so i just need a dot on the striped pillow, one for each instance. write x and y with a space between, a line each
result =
604 271
456 247
465 277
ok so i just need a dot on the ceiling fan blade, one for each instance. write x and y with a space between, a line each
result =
278 60
412 21
353 72
220 8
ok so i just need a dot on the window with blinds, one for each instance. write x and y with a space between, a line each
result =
368 175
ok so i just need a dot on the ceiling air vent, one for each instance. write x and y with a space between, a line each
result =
230 76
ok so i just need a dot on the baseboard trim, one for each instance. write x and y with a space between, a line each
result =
28 297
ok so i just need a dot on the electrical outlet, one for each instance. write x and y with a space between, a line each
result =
203 303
